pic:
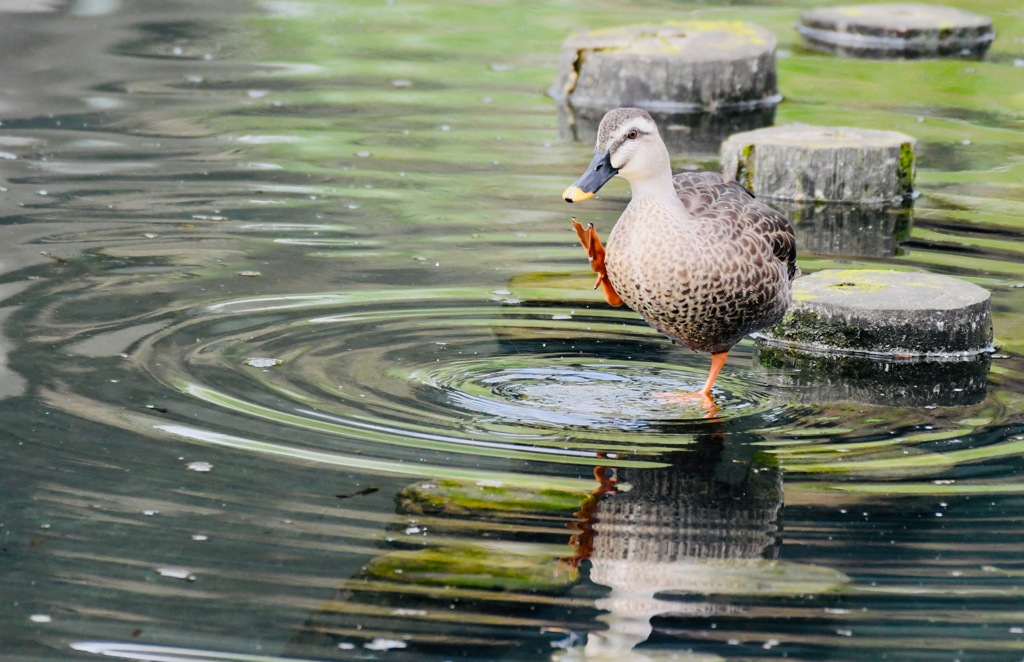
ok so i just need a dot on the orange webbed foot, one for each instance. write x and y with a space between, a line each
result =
595 251
703 396
705 400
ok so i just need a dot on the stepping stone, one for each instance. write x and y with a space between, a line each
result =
679 67
904 314
825 164
897 31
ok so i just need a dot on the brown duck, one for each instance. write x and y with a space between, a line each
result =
696 255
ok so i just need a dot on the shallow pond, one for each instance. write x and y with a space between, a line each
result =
301 358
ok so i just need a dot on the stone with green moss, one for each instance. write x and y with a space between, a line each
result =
451 497
886 313
678 66
822 164
499 566
897 30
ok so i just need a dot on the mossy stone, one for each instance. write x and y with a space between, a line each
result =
679 66
822 164
897 30
904 314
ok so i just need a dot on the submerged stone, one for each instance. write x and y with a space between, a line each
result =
897 30
886 313
849 230
825 164
817 378
684 66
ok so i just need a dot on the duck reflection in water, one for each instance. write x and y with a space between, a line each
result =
709 524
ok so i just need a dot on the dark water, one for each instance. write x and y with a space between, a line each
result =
301 359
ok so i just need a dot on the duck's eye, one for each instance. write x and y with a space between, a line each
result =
632 134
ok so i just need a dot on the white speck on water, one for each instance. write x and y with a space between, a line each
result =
40 618
201 467
346 646
844 633
263 362
150 513
200 537
44 192
412 530
381 644
177 573
409 612
770 644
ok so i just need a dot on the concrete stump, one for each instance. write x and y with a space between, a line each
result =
897 31
825 164
908 314
680 67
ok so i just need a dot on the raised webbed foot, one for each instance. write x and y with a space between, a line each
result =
595 251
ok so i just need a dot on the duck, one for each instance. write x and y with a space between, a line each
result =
701 260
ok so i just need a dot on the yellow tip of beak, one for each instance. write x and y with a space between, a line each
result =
576 194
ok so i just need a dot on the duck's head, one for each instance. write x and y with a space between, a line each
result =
628 144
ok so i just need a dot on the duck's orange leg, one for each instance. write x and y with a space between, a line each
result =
704 394
717 361
595 251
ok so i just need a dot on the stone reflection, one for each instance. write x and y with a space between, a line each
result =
823 378
692 132
856 230
708 525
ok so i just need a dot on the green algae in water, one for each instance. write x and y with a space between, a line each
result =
451 497
489 566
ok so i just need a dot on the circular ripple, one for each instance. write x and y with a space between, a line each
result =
446 379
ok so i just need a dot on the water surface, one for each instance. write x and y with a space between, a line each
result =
301 358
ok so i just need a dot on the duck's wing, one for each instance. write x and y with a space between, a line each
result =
711 195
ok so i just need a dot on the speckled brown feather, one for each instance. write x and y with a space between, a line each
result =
711 277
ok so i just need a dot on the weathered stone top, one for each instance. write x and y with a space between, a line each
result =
893 19
872 289
897 30
687 40
893 313
822 137
678 66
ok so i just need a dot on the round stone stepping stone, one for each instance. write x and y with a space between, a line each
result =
683 66
897 30
886 313
825 164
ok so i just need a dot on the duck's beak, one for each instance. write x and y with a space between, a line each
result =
596 175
